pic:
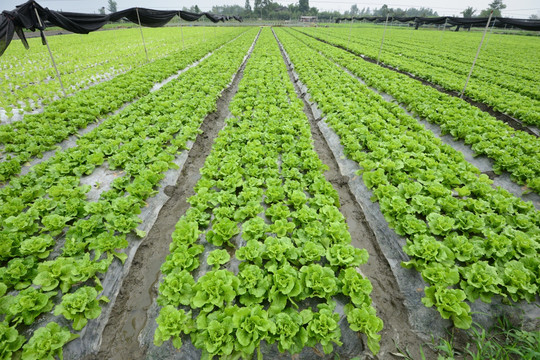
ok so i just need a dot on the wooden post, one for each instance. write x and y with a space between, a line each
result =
142 36
50 53
382 41
477 53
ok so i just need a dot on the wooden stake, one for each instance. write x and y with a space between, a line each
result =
50 53
477 53
142 36
382 41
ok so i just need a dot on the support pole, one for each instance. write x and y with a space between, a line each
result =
490 31
50 53
182 34
445 22
350 31
142 36
382 41
477 53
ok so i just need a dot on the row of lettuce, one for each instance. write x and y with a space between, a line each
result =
468 239
512 151
29 80
511 93
263 249
30 137
57 244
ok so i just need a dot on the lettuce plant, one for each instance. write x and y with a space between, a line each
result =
218 257
346 255
285 286
176 288
222 232
365 320
10 341
39 246
47 342
518 281
251 252
172 323
26 305
254 284
323 327
183 257
80 306
254 228
481 280
215 333
450 304
356 287
290 332
214 289
252 325
318 281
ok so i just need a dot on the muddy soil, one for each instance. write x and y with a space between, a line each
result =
129 315
386 295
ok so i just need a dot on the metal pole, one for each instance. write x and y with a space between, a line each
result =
142 36
490 31
181 31
445 21
477 53
50 53
382 41
350 30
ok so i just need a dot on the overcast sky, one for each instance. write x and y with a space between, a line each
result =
515 8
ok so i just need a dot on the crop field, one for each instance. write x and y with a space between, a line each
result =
266 193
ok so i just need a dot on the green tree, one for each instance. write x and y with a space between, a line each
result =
533 17
354 10
112 6
303 6
102 10
496 6
247 7
385 10
468 12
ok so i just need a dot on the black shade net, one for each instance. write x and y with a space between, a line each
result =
524 24
24 17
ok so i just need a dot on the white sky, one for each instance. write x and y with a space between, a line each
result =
514 8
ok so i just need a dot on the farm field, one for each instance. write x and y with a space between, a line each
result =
265 192
29 81
506 75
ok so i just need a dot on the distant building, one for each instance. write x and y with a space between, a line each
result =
308 19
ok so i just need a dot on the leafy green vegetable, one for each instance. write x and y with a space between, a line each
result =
449 303
217 258
214 289
10 340
47 342
323 327
172 323
252 325
80 306
222 231
26 305
176 288
365 320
